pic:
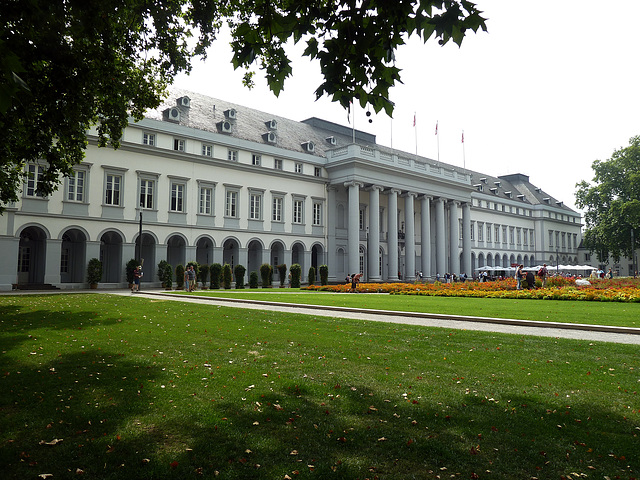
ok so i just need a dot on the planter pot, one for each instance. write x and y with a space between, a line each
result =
94 286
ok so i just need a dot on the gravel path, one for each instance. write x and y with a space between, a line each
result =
597 333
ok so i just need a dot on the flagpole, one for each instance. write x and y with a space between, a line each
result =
354 124
391 130
415 132
464 159
438 141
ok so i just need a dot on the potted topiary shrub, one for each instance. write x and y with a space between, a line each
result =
226 276
239 272
266 272
204 275
94 272
130 268
312 275
282 273
216 273
165 274
296 271
180 277
253 279
324 274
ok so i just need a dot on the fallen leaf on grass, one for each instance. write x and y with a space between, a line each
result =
53 442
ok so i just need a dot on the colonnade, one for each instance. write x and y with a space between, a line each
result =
447 258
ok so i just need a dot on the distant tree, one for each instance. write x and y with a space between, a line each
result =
612 203
66 65
266 272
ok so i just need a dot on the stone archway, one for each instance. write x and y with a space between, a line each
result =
176 251
32 256
111 256
297 256
204 251
230 251
73 256
254 257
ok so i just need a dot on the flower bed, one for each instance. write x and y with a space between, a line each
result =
620 290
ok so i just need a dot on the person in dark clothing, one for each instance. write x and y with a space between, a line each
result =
531 280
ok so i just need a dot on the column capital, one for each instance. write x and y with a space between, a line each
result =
441 200
455 202
353 183
394 190
424 196
410 194
380 188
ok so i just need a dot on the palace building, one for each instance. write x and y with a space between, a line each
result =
215 182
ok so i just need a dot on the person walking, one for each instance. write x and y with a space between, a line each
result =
542 273
519 277
137 273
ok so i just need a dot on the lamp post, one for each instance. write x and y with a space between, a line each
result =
557 260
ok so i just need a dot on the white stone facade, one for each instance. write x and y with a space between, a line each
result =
222 183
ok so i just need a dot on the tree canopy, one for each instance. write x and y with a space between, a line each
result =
66 65
612 203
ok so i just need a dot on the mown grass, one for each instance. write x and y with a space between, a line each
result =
593 313
137 388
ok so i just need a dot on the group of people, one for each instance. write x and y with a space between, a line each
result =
190 279
529 277
452 277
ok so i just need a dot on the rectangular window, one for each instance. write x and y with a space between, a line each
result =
256 160
488 233
361 219
231 205
550 238
179 144
75 186
316 171
317 214
276 215
232 155
563 241
206 197
34 179
112 191
255 206
504 234
480 232
149 139
207 150
298 167
298 208
511 236
146 193
177 197
64 260
496 230
277 164
557 239
525 236
531 237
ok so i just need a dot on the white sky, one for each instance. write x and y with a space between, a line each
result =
552 86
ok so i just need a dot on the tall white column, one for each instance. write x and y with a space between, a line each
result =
410 236
392 240
466 239
454 239
425 235
373 246
353 228
441 253
331 232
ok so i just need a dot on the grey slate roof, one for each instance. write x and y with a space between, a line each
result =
250 124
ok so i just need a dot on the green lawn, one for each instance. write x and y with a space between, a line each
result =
128 388
594 313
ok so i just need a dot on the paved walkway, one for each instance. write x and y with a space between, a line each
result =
599 333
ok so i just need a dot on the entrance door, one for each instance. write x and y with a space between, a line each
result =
24 261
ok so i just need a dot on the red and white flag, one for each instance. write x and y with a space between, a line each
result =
414 119
436 128
462 141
